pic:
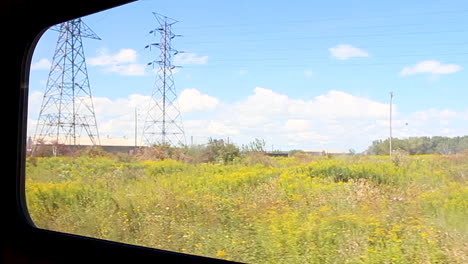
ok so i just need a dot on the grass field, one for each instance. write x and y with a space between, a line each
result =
355 209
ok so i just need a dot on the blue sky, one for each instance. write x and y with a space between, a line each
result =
299 74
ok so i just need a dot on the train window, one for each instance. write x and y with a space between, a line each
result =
259 132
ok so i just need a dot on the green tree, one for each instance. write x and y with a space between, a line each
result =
257 145
421 145
217 150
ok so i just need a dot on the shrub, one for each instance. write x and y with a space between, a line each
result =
400 157
160 152
254 158
216 151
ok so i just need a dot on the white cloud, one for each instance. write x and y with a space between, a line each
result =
105 107
345 51
338 104
299 138
430 66
116 117
105 59
209 128
335 119
308 73
132 69
189 58
334 104
420 118
160 71
34 105
191 100
124 62
42 64
429 122
435 113
297 124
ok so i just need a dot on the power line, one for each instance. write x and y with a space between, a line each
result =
330 36
287 58
321 20
305 65
306 28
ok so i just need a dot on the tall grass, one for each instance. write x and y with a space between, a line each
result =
282 210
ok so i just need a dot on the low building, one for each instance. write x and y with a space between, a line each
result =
324 152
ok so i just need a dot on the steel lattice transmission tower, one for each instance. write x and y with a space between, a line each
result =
67 112
163 124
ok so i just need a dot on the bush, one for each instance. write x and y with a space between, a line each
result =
254 158
400 157
222 152
341 171
93 152
305 158
216 151
160 152
258 145
41 149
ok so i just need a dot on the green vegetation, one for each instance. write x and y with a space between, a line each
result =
258 209
421 145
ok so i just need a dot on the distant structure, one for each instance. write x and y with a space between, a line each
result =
163 124
67 113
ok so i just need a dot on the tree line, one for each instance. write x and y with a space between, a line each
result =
421 145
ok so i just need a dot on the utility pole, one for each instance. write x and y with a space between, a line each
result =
390 140
67 107
162 124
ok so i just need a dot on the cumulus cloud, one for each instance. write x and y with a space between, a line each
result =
335 119
428 122
42 64
297 124
297 139
189 58
202 128
34 105
346 51
124 62
104 58
116 117
132 69
431 67
193 100
334 104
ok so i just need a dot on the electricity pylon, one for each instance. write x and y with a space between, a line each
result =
162 124
67 106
